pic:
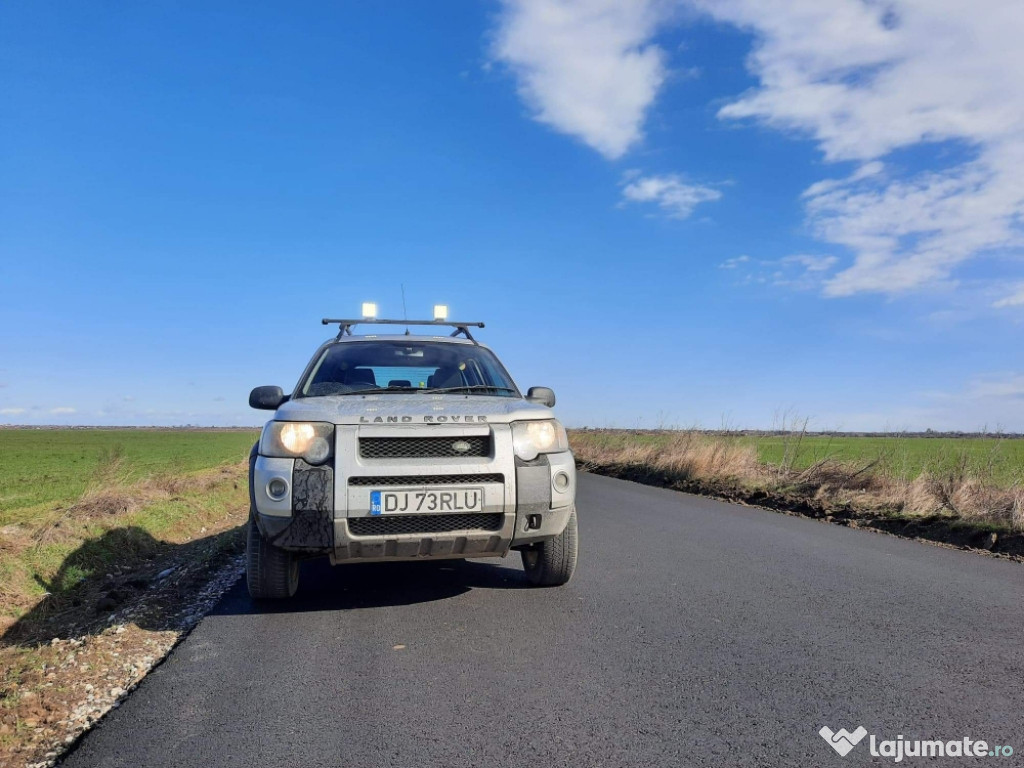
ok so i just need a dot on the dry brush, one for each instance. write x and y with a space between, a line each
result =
954 490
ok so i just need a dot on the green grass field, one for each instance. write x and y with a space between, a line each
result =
45 472
41 466
1000 461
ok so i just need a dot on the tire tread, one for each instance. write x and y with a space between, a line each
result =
271 573
556 557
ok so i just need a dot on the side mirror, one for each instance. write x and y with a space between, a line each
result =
541 395
267 398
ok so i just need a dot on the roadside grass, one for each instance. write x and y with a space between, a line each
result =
88 521
999 460
61 490
963 486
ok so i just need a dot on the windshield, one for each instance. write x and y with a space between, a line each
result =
406 366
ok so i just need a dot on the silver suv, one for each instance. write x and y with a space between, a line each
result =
400 447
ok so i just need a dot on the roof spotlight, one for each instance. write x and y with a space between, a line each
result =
440 311
369 310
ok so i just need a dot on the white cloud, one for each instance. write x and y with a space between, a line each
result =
801 271
862 79
992 401
62 410
1007 387
670 193
585 67
734 262
11 411
866 79
1015 299
811 263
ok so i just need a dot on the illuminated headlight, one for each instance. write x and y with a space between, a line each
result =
532 438
311 441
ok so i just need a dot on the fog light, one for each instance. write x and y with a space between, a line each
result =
561 481
277 488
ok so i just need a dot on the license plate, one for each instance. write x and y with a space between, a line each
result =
426 501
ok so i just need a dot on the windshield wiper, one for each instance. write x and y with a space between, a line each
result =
382 389
470 388
463 388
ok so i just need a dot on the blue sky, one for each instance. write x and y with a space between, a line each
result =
671 213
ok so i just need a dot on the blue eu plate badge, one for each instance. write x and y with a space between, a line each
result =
375 508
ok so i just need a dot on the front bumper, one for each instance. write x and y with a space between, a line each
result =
327 509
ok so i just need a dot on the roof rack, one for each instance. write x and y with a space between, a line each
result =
345 326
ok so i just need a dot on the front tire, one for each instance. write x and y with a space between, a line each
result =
551 563
271 573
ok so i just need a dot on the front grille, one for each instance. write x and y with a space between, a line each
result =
396 524
423 447
425 480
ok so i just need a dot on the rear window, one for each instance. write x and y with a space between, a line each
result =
399 366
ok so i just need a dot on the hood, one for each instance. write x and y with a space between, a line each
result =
411 409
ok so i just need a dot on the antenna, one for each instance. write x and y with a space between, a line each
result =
405 312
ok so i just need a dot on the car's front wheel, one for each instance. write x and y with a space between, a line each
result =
271 572
551 563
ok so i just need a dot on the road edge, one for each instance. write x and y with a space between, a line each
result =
935 530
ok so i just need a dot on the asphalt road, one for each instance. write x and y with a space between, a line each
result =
694 633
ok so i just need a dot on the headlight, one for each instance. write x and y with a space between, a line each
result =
532 438
310 441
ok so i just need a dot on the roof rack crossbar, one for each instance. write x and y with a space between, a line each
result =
345 326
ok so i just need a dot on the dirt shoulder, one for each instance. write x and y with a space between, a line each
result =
98 593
